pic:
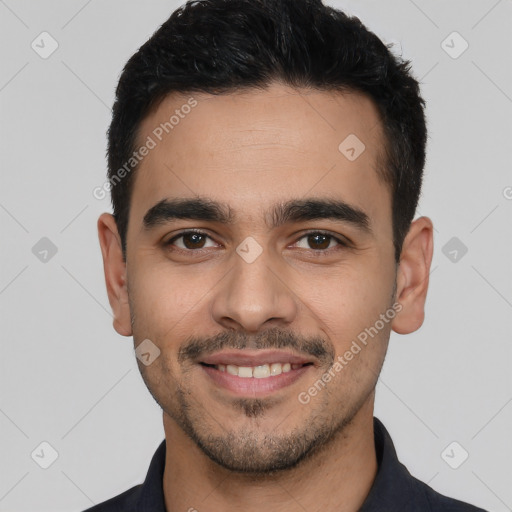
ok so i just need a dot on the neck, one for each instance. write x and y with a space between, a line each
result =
336 478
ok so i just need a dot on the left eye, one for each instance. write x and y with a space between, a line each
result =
320 241
193 240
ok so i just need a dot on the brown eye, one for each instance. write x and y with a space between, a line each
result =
321 242
191 240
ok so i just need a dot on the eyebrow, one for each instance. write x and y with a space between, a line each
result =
205 209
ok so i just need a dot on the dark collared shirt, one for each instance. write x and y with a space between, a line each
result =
394 488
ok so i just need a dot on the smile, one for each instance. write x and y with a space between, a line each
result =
255 373
258 372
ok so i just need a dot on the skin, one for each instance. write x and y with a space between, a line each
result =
251 150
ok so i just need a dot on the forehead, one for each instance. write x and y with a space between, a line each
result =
254 149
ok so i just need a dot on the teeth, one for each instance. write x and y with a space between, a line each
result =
244 371
232 369
276 369
258 372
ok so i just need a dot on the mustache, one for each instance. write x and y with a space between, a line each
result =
196 347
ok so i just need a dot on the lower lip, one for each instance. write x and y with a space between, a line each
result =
252 386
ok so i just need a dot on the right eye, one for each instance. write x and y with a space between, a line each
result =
193 241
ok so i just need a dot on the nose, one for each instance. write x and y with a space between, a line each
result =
254 296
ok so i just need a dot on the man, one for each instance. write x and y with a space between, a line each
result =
265 163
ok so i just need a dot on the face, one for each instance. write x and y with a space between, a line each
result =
255 293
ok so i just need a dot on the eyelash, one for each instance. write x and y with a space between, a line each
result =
316 252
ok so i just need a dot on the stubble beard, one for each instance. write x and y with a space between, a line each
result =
251 452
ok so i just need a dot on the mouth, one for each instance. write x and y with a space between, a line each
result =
261 371
256 373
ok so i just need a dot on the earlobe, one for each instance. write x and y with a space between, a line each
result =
115 273
413 276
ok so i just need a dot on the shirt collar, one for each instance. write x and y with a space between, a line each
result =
393 488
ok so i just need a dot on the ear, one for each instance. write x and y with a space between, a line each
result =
115 273
413 276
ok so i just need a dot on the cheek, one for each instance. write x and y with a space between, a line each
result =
165 303
349 310
348 302
159 288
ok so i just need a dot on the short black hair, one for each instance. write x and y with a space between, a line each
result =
223 46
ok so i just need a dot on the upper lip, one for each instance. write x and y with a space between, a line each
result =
254 357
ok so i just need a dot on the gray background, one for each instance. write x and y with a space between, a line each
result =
69 379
